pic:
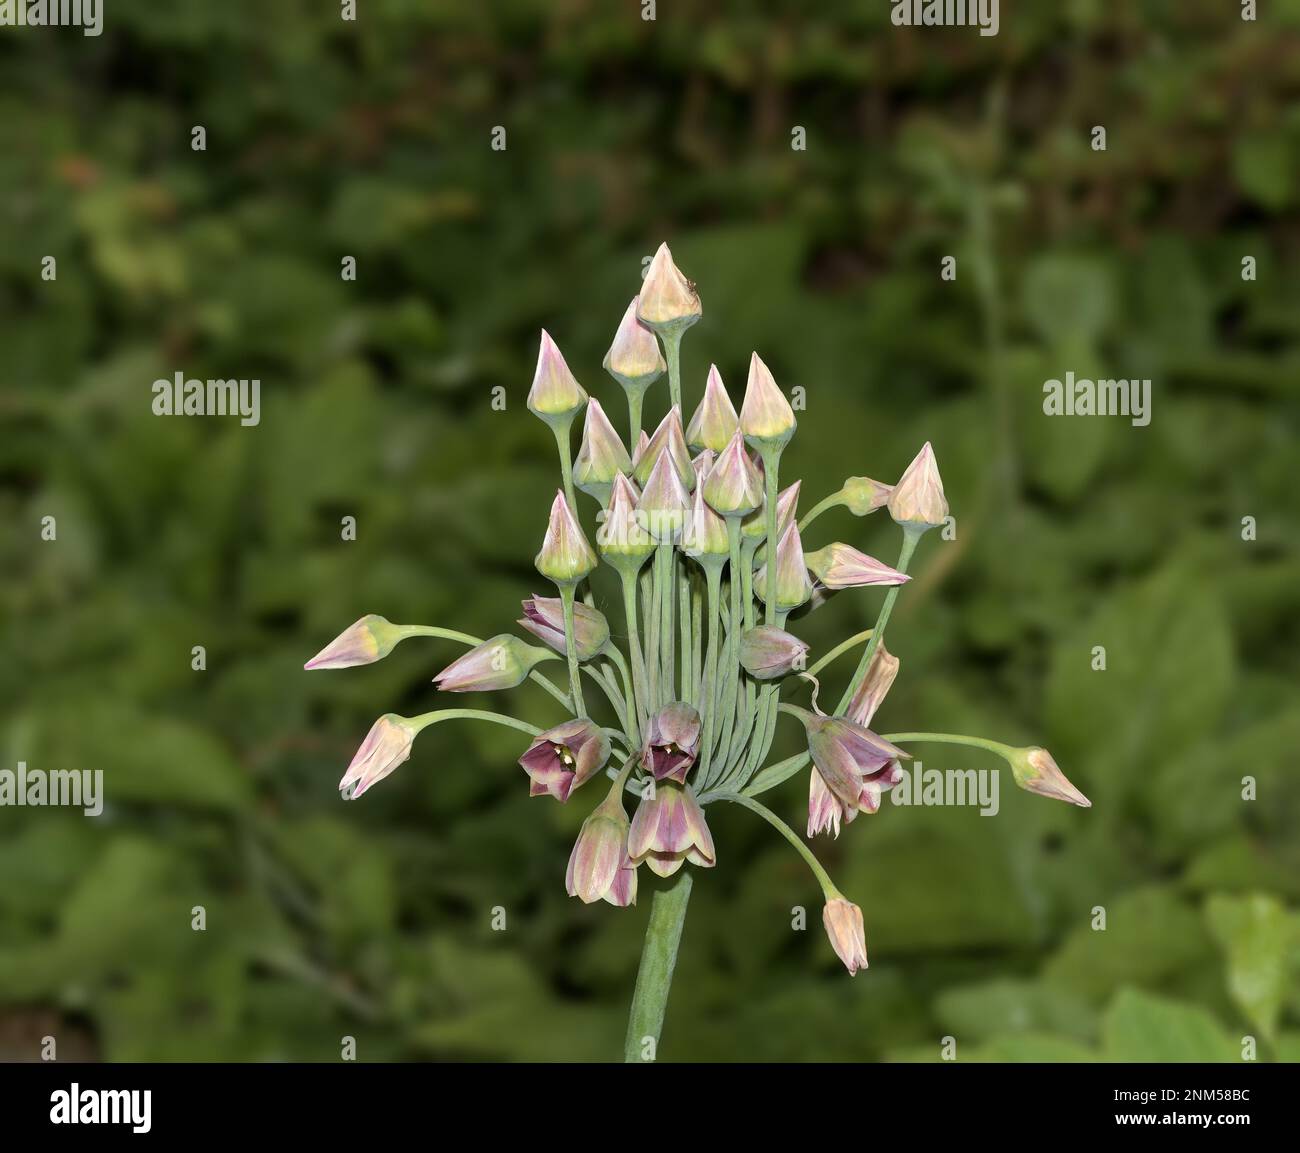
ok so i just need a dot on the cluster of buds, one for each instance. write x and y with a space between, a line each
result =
707 548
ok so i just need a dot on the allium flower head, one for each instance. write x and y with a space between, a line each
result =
843 921
715 421
500 662
555 395
918 497
565 556
634 359
669 829
841 566
668 301
672 742
544 618
766 417
371 639
564 758
601 457
386 746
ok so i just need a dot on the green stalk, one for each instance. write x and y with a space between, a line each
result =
1006 752
910 536
771 462
634 645
667 573
776 774
673 355
829 888
635 396
654 978
653 605
424 720
682 578
697 641
713 575
824 505
464 638
837 651
629 696
566 465
571 648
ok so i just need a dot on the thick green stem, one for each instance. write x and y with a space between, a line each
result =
910 536
654 978
629 695
634 398
713 575
682 578
566 464
667 582
673 355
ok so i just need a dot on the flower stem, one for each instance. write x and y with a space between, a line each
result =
673 355
655 976
1004 751
465 639
634 644
824 505
575 681
910 537
838 650
771 462
823 878
424 720
566 465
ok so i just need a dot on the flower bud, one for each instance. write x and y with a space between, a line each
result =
843 921
544 618
841 566
754 526
555 395
638 453
918 497
879 677
620 538
600 852
1036 771
667 439
767 652
669 828
862 495
704 533
565 758
664 502
634 359
668 301
790 586
715 421
386 746
565 556
703 465
500 662
601 456
672 742
371 639
766 417
734 486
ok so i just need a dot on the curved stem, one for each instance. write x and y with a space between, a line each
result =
838 651
823 879
424 720
464 638
825 505
910 536
654 977
611 694
1004 751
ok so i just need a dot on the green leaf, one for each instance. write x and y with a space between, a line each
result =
1142 1027
1259 938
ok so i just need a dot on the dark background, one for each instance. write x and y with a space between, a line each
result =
372 139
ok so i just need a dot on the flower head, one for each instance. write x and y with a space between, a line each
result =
918 498
766 417
634 359
371 639
843 921
1036 771
672 742
668 301
715 421
841 566
544 618
386 746
668 829
555 395
767 652
500 662
599 861
601 456
565 556
565 758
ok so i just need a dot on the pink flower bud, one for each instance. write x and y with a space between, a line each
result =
634 359
715 421
790 586
664 502
767 652
620 538
841 566
668 300
386 746
544 618
843 921
766 417
555 395
501 662
601 456
667 439
565 556
371 639
918 497
600 854
879 677
1036 771
734 486
862 495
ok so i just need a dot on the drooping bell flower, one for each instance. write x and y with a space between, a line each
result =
555 396
371 639
544 618
386 746
565 556
917 499
826 811
669 829
500 662
767 652
672 742
668 439
601 456
715 421
848 937
598 866
668 301
853 761
766 418
841 566
734 487
565 758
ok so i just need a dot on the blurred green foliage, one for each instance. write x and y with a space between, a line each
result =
372 140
